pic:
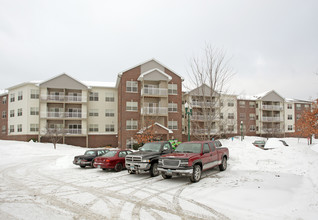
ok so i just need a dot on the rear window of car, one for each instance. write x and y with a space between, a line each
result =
90 152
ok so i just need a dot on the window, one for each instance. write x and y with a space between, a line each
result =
298 106
109 97
290 117
173 125
93 112
34 111
230 103
290 127
93 96
109 128
20 112
131 86
230 116
93 128
306 106
12 97
20 95
109 113
132 106
11 128
242 104
221 115
230 128
172 107
11 113
4 100
252 128
252 104
289 106
34 94
74 128
221 128
298 116
34 127
4 114
172 89
242 116
19 128
252 116
131 124
206 148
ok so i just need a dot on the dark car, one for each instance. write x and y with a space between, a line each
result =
88 158
113 159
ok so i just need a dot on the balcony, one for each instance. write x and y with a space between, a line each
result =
204 131
272 107
199 104
154 92
271 119
66 132
204 118
63 98
154 111
60 115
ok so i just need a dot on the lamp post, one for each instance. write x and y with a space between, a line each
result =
188 110
241 130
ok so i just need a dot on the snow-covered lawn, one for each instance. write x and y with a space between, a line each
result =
38 182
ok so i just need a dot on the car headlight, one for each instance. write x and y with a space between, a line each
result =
184 163
145 160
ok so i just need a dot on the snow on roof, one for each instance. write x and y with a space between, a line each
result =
3 91
156 123
150 71
99 84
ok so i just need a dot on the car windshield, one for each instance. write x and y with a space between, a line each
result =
90 152
188 148
110 153
151 147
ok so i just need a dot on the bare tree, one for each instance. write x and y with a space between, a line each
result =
209 75
55 134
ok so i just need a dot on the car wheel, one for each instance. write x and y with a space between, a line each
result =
82 166
223 165
92 164
118 167
196 175
154 170
131 171
166 176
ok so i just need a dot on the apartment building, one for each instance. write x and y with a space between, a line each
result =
4 114
149 94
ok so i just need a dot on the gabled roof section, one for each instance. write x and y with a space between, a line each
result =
269 96
153 75
99 84
156 123
64 81
36 83
203 90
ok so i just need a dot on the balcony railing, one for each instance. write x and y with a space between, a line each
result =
204 104
65 131
204 131
154 111
154 91
272 107
271 119
63 115
63 98
270 130
204 118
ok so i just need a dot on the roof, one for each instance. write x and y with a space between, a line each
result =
152 70
36 83
156 123
99 84
3 92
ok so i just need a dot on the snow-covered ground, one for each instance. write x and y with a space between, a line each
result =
38 182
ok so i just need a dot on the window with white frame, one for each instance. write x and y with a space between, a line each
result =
19 128
290 127
230 128
252 104
34 111
109 113
298 106
93 96
75 128
306 106
109 97
252 116
230 116
172 107
12 97
172 89
173 125
20 95
131 124
11 113
252 128
132 106
290 117
34 127
298 116
132 86
221 115
230 103
242 116
11 128
4 129
93 127
289 106
109 128
4 100
19 111
4 114
93 112
242 104
35 93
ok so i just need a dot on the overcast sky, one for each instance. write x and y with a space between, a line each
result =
273 44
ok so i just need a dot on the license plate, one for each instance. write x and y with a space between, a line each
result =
169 171
132 167
98 166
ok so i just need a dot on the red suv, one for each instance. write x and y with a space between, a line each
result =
113 159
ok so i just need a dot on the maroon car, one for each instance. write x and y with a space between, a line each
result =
113 159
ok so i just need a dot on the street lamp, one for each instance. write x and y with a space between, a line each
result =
188 107
241 130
